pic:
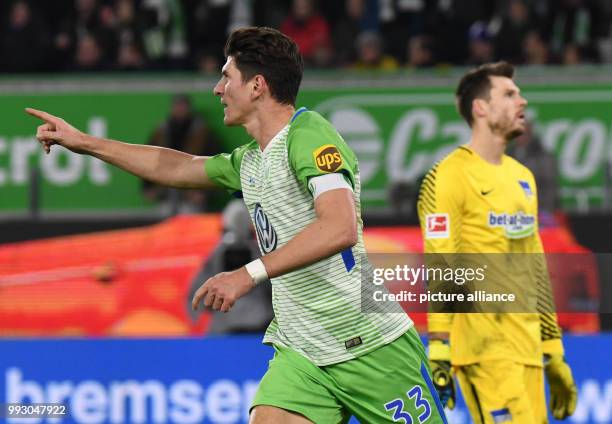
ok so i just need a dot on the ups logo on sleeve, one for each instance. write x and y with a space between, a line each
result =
327 158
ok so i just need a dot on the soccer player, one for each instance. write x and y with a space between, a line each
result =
478 200
300 183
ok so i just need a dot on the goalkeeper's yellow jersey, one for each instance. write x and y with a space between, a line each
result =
468 205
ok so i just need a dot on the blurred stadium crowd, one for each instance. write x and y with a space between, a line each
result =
138 35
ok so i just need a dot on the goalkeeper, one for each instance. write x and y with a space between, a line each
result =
478 200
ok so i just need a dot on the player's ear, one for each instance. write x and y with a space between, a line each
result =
479 107
259 86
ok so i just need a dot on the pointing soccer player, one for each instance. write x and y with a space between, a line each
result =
478 200
300 183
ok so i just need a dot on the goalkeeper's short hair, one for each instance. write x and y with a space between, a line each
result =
476 84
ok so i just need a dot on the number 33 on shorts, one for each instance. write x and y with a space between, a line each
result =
420 407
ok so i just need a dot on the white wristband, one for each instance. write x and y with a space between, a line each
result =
257 271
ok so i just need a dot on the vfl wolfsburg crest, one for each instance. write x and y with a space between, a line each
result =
265 231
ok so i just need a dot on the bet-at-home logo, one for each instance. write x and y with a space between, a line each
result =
515 226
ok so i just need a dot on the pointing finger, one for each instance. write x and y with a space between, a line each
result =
47 117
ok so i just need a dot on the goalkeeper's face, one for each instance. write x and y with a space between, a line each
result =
506 108
235 94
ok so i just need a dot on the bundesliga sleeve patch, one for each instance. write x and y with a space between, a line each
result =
437 226
327 158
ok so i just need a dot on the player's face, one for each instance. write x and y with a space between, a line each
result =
234 94
506 108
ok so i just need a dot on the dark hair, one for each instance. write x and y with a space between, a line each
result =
270 53
476 84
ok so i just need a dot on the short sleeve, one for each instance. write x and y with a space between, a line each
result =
316 150
224 169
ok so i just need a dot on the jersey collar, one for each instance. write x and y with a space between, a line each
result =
281 134
297 113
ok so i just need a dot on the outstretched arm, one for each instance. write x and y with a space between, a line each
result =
157 164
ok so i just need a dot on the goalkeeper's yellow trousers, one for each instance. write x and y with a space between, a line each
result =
503 392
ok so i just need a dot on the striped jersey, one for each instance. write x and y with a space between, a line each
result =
318 309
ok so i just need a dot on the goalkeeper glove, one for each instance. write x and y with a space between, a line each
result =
439 362
563 392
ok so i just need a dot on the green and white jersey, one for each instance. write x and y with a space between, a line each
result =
318 309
